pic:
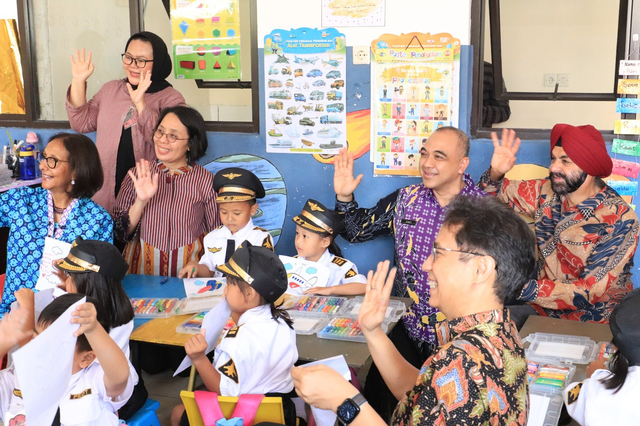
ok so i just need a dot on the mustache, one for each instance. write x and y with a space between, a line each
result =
557 174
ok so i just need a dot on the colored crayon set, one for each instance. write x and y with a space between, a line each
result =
152 307
341 328
554 376
606 350
318 305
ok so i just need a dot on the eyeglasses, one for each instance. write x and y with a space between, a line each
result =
52 162
140 63
473 253
171 138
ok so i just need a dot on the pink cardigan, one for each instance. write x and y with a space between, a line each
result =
105 112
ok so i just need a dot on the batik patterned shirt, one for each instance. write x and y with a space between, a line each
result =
478 376
586 251
413 216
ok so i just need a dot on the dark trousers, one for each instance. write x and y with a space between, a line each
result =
376 391
520 313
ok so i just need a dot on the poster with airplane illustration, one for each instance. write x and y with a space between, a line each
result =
305 72
303 275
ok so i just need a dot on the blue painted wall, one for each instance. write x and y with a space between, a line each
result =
307 178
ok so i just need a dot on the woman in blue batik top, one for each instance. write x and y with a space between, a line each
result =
61 209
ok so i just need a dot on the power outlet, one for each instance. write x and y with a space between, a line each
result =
564 80
550 80
361 55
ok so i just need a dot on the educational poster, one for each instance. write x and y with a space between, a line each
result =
353 13
303 274
413 93
206 39
627 127
305 72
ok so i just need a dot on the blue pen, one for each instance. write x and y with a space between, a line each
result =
164 280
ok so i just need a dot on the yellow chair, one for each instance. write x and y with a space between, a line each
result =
270 409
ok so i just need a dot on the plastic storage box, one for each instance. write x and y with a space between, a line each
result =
394 311
307 326
344 328
153 307
317 306
193 325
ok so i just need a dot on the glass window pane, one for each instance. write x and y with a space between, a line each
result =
213 104
61 27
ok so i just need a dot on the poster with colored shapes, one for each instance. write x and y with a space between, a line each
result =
414 92
206 39
625 147
628 87
628 105
624 187
305 74
627 127
353 13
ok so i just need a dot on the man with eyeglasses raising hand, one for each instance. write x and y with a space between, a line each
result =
123 112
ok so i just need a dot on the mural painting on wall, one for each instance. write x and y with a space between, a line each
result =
353 13
206 39
273 207
305 74
414 92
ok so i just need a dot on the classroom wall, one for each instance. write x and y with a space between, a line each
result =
307 178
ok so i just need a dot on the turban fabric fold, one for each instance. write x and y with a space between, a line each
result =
585 146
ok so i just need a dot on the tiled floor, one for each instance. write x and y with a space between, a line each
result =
166 389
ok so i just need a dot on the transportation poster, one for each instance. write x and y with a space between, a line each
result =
413 93
206 39
305 71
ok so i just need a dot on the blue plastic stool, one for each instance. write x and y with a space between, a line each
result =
146 416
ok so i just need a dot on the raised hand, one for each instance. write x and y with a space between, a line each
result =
196 346
504 153
137 95
86 316
376 299
146 183
81 67
15 328
344 184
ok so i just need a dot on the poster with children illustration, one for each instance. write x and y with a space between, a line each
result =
206 39
305 72
414 92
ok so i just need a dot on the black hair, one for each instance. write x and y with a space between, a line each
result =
463 139
333 247
109 292
488 226
619 365
193 121
60 304
277 313
84 163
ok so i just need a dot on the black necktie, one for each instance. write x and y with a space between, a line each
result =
231 247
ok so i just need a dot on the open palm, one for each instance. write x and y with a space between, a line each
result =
376 299
504 152
81 67
344 184
146 183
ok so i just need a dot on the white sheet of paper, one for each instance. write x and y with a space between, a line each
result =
556 349
213 322
50 356
303 274
204 286
305 324
53 250
338 363
538 406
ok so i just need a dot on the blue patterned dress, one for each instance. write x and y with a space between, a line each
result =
24 210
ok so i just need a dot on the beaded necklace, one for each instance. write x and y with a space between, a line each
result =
53 226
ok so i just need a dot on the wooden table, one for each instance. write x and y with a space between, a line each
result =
595 332
163 330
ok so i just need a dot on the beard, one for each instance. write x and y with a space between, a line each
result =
570 183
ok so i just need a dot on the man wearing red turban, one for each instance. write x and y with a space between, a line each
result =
586 233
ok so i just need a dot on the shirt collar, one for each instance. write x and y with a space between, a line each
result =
182 170
448 330
255 313
240 236
467 190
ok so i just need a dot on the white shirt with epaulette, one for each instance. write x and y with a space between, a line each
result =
342 271
257 355
215 243
85 402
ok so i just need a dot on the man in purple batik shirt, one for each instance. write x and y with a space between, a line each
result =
413 215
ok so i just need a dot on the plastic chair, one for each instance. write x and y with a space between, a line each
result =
146 416
270 409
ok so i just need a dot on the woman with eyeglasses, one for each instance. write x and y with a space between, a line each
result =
61 209
166 207
123 112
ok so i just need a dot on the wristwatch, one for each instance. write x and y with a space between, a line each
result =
350 408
